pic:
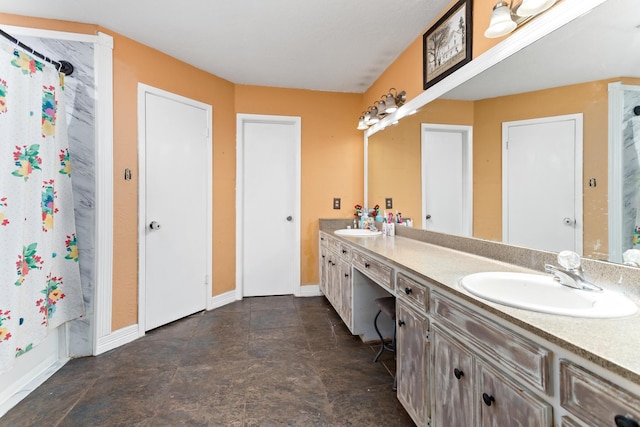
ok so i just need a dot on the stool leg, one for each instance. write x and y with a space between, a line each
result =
375 325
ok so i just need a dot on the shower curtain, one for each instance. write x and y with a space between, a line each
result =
39 273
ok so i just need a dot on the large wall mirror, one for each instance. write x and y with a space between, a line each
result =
563 81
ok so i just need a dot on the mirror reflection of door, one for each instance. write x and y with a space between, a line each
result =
447 179
542 183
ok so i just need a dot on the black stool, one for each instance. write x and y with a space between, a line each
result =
386 305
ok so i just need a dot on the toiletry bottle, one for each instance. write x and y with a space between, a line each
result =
391 229
384 226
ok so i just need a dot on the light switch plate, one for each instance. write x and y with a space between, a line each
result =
336 203
388 203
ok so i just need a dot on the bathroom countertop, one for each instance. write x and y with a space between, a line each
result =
609 343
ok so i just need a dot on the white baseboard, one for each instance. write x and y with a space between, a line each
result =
221 300
309 291
117 338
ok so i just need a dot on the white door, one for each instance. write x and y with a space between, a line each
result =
268 196
542 183
176 167
446 179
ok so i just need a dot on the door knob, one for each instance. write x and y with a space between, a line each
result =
289 218
428 217
154 225
568 221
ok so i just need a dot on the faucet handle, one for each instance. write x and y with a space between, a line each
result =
569 260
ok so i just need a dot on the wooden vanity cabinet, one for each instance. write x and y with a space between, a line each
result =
595 400
335 276
452 381
412 356
487 375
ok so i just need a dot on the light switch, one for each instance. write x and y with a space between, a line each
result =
388 203
336 203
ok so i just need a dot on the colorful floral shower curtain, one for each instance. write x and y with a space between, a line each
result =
39 274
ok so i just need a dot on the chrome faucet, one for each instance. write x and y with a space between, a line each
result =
572 274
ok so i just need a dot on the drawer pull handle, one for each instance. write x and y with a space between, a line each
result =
367 265
458 373
488 399
622 421
401 323
408 290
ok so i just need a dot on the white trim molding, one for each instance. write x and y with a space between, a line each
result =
118 338
221 300
103 56
310 291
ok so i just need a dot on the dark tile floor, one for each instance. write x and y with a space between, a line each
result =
270 361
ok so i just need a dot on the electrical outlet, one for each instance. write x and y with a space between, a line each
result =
336 203
388 203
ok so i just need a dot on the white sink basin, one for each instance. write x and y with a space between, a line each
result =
543 294
356 232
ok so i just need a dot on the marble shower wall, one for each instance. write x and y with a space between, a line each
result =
79 92
631 168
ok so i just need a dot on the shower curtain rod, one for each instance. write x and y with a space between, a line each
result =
64 67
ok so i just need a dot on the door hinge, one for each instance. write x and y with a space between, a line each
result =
206 279
206 133
506 145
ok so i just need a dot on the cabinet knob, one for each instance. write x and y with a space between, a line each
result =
458 373
333 264
401 323
346 274
408 290
488 399
344 251
367 265
625 421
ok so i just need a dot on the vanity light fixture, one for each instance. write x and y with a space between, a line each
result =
387 104
506 17
501 23
533 7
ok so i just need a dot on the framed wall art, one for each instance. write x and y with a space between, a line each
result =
447 44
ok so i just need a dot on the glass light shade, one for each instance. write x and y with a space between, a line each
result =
534 7
390 104
373 119
361 124
501 23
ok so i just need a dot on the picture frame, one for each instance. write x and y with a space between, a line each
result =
446 46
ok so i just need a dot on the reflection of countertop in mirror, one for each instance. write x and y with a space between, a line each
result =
605 342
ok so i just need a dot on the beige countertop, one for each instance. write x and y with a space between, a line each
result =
609 343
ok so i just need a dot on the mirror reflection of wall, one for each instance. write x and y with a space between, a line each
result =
565 73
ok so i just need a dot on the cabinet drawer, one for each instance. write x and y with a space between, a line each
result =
518 355
410 290
593 399
345 252
373 269
568 422
333 244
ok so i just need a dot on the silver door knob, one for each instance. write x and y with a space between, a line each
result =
154 225
568 221
289 218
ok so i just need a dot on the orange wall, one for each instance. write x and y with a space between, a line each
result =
406 72
135 63
394 156
332 155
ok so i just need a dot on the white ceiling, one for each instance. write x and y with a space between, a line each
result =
331 45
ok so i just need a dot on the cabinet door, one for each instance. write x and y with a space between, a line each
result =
324 270
453 382
505 404
412 357
346 289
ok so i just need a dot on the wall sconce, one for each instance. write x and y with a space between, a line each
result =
387 104
505 17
